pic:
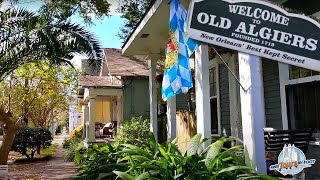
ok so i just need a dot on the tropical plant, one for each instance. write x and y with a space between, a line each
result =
31 140
135 131
154 161
99 162
74 143
72 148
25 38
215 162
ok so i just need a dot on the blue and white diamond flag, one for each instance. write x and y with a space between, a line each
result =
177 77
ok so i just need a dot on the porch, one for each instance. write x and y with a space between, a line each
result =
102 110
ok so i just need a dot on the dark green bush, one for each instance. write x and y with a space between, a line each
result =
135 131
66 143
29 140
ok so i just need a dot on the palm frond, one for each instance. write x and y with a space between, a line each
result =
24 37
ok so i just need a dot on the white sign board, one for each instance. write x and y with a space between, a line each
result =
4 170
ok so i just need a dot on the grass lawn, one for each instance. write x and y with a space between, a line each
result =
45 154
47 151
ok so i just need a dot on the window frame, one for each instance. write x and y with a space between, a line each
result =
213 63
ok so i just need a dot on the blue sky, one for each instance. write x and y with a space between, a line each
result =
106 30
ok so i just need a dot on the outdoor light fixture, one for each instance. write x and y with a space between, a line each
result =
144 36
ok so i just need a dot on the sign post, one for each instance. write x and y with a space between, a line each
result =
252 111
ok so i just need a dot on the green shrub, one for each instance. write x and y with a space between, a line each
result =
72 149
66 143
135 131
71 145
127 161
99 162
74 142
215 162
31 140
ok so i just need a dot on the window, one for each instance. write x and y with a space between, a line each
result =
213 83
298 72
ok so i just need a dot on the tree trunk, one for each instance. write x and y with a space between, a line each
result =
25 108
32 153
10 132
7 143
38 150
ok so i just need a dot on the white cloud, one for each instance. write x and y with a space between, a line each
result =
114 6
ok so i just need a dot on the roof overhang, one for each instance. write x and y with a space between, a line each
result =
155 24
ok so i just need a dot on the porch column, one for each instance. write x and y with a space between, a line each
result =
171 116
252 111
91 133
153 98
283 79
85 117
234 98
202 92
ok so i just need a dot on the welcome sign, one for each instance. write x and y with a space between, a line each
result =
257 28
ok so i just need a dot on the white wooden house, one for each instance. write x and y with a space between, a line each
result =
281 96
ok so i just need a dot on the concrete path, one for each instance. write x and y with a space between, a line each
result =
57 168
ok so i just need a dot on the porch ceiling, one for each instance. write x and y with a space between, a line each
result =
155 25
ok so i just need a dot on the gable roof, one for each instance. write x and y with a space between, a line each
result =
99 81
116 64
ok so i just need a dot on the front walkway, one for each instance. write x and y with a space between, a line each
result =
57 168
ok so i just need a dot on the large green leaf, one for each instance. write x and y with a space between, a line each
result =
256 177
163 152
123 175
214 150
152 143
136 158
147 175
137 150
193 145
232 168
104 175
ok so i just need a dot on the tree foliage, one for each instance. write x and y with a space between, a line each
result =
39 92
62 10
133 11
27 38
